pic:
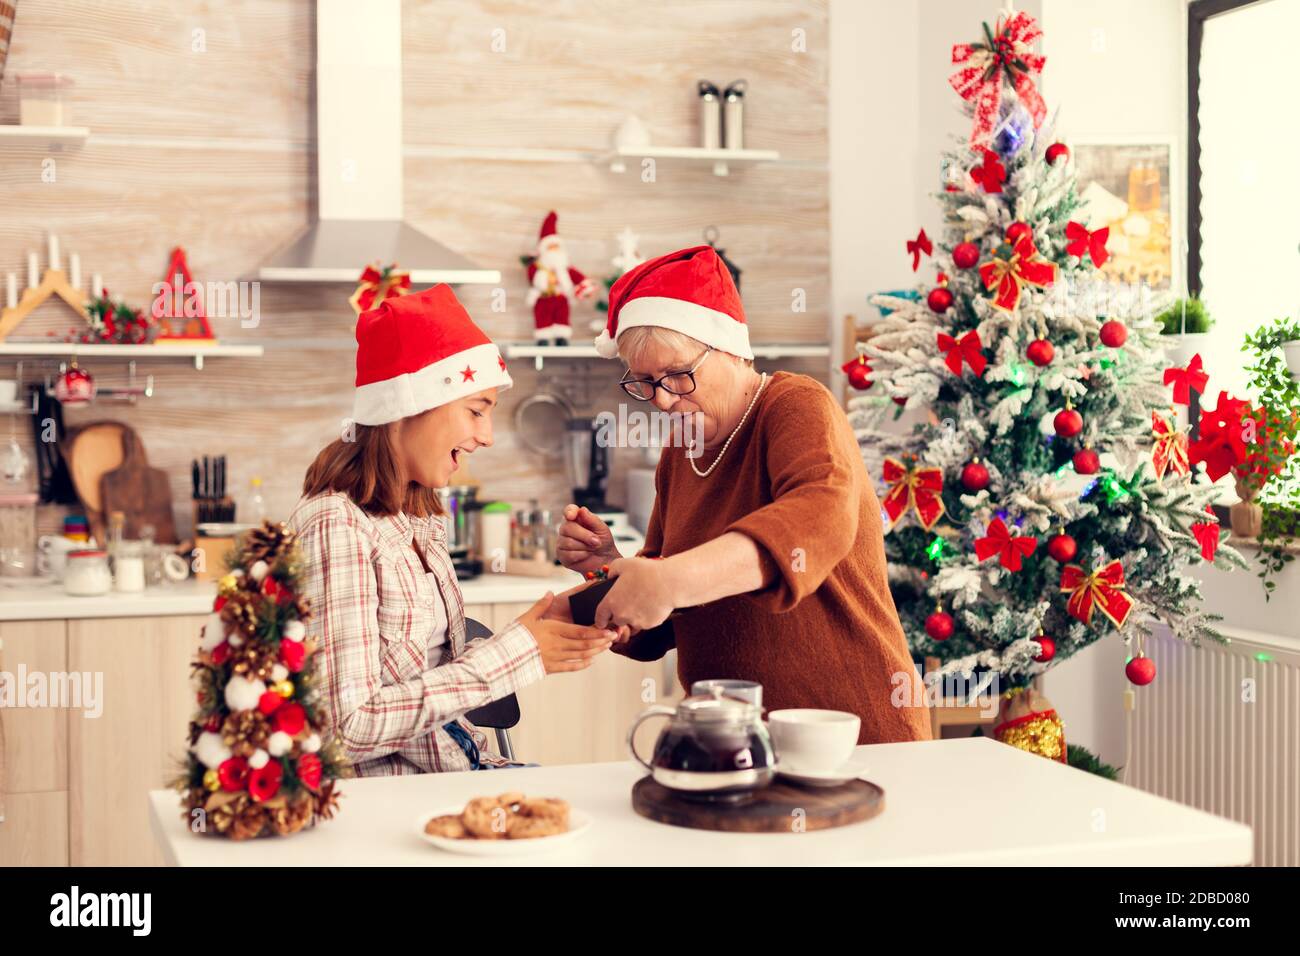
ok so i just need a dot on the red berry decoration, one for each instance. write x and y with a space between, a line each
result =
1141 671
939 300
860 376
1068 423
1048 651
1016 231
1086 462
1041 352
939 625
1057 151
1062 548
1114 334
965 255
900 401
974 476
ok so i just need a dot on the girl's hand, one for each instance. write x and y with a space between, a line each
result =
565 646
584 543
641 598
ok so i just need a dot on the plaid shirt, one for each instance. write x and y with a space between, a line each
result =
394 666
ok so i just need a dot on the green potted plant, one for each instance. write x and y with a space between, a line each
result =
1187 324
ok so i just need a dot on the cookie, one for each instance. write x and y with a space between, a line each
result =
450 827
546 808
529 828
486 819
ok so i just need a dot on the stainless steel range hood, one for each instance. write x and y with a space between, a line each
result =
359 160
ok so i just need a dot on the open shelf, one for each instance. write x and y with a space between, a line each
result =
155 352
539 353
722 160
69 135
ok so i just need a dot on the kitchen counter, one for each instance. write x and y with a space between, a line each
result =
948 802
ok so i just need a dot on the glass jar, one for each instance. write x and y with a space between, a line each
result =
18 535
87 574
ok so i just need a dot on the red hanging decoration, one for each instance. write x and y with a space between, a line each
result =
990 174
1006 51
1170 451
1018 230
939 300
1067 423
939 626
858 371
1185 379
1062 548
1101 590
1206 534
1056 151
1011 550
974 476
1140 671
965 255
968 349
918 246
1082 242
1008 276
1086 461
919 488
1113 334
1048 646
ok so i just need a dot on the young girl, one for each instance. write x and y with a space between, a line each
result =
396 674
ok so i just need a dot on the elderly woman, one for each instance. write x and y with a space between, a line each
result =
768 528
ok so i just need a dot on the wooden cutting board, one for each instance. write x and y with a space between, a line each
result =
141 493
777 808
90 452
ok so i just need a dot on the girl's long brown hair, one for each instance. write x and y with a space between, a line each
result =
365 469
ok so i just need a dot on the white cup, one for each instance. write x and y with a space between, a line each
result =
813 741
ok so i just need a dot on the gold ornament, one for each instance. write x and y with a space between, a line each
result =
211 780
284 688
228 585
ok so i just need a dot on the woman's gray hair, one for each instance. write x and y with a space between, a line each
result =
636 341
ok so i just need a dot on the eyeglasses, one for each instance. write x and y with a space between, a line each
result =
674 383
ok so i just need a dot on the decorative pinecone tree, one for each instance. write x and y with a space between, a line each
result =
1047 500
257 764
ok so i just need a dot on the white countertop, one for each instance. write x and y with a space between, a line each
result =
969 801
43 601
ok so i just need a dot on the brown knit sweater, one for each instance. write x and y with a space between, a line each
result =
825 634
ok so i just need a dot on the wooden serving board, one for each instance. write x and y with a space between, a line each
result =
141 493
778 808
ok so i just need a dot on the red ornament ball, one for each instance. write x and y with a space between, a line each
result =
939 300
939 625
860 376
1141 671
900 401
1086 462
1048 651
1062 548
965 255
1041 352
974 476
1016 231
1114 334
1068 423
1057 151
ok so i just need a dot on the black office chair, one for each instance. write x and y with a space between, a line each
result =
500 715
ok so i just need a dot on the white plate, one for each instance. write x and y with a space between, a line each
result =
578 822
851 769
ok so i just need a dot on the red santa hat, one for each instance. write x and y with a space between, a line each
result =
688 291
418 351
548 226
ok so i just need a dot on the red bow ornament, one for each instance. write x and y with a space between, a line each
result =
1005 52
992 174
1185 379
1007 276
1206 534
1010 550
1084 243
919 488
968 348
1102 590
378 284
1170 451
918 246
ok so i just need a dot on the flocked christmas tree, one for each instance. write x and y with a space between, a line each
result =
257 762
1047 500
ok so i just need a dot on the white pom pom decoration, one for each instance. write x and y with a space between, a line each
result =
311 744
235 639
242 693
294 631
210 750
214 632
279 672
258 571
259 759
279 743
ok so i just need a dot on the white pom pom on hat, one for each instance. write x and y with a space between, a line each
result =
689 291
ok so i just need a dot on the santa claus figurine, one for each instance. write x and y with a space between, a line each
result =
553 285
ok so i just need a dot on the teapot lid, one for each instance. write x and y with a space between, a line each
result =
716 707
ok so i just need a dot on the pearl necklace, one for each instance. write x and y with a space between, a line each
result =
708 471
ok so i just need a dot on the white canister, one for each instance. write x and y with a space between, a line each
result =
87 574
494 535
128 567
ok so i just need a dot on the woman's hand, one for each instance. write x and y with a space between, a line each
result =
565 646
642 596
584 543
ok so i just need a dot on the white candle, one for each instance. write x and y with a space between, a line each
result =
96 286
74 270
54 252
33 271
11 290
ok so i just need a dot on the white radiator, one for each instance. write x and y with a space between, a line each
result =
1197 740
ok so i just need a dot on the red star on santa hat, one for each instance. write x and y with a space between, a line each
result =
467 375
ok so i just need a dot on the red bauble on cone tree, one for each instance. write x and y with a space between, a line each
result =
939 625
1057 151
1114 334
974 476
1062 548
1048 646
1040 352
1086 462
1068 423
1140 670
965 255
